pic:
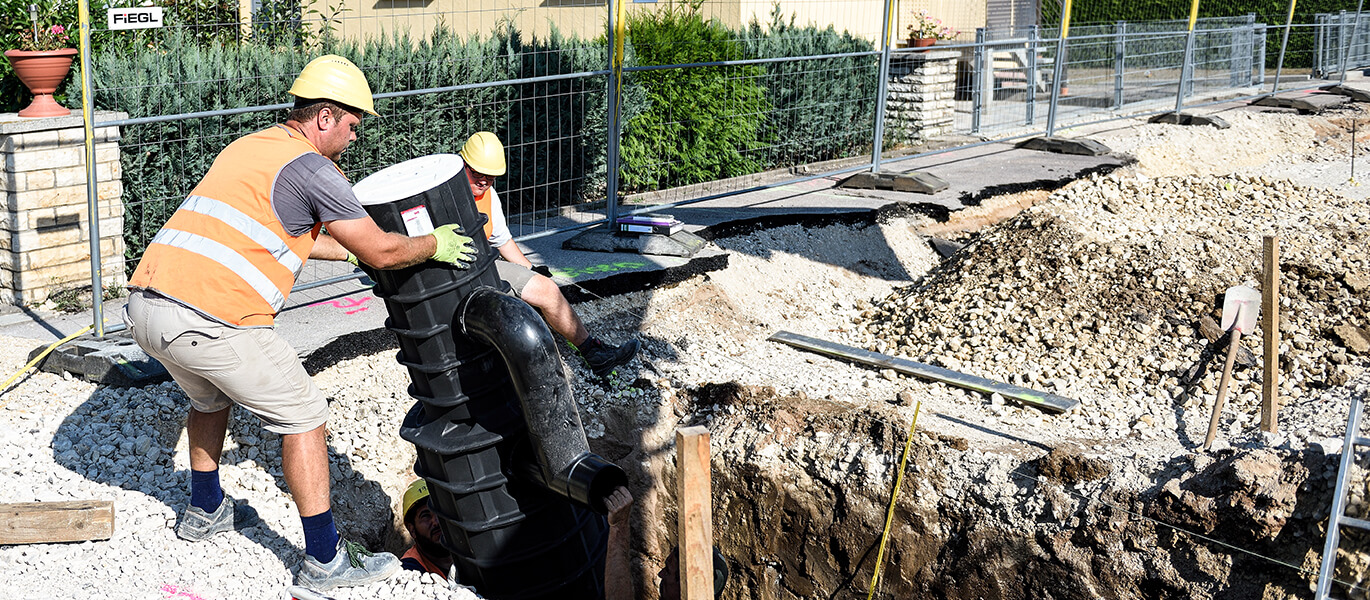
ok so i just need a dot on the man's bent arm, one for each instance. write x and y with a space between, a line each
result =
327 248
379 248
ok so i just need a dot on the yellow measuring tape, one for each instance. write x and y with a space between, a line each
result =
889 515
6 385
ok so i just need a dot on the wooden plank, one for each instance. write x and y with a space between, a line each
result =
1043 400
1270 300
45 522
695 525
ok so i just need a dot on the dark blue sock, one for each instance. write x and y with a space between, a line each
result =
320 536
205 493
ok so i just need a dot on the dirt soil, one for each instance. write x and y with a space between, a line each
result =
1100 291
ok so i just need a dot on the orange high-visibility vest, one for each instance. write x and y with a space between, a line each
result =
223 252
429 567
483 206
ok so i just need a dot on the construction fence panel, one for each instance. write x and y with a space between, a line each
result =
536 74
715 96
1342 43
720 97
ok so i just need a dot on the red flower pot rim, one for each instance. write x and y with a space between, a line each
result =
37 53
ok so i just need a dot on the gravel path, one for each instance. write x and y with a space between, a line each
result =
1093 293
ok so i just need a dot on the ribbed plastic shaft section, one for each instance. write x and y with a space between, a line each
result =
511 538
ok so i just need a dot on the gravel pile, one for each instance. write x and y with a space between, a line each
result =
1099 294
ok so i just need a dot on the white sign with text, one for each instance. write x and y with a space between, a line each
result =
141 17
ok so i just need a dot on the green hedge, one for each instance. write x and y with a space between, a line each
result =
681 125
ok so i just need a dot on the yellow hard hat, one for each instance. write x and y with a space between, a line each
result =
332 77
417 492
484 152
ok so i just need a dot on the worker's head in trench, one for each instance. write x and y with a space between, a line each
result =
420 521
669 575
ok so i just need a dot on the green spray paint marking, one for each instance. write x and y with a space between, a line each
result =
573 272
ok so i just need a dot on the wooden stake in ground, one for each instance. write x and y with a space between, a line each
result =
47 522
696 530
1270 301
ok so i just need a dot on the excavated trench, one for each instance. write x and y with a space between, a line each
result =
1100 291
801 515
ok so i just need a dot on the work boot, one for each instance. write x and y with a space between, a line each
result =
196 524
603 358
353 565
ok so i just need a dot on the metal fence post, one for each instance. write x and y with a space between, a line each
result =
1119 62
1187 63
1355 33
1262 38
97 292
882 94
1319 44
1284 44
1350 46
977 99
1343 51
1058 68
1186 68
1032 75
1244 61
617 30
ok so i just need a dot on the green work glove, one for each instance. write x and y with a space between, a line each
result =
352 258
453 247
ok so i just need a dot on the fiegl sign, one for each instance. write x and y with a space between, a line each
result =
141 17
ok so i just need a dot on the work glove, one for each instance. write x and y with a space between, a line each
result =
352 258
453 247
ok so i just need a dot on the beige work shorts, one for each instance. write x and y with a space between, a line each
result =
517 276
217 365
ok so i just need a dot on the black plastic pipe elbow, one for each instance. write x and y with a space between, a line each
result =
518 332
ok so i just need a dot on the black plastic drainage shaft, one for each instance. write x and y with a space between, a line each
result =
496 428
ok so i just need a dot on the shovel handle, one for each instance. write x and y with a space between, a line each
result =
1222 386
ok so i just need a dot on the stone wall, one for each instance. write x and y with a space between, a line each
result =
45 228
921 101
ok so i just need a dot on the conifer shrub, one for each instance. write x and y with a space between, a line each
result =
699 123
821 109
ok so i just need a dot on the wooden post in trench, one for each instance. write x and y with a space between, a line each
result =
695 533
1270 297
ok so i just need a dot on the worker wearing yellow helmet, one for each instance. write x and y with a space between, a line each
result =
427 555
203 301
483 156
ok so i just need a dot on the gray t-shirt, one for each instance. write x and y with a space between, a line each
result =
310 190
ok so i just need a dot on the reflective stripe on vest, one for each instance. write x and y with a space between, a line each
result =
247 226
225 256
224 252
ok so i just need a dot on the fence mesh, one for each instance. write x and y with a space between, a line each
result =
716 96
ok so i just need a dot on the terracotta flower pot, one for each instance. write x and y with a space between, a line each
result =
41 73
922 42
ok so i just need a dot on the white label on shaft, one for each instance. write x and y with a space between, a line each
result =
416 221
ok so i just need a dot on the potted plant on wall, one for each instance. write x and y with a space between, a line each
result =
926 30
42 61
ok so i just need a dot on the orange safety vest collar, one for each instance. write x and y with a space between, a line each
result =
427 566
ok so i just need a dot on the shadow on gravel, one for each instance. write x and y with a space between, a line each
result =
131 438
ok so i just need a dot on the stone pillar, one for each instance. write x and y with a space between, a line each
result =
45 242
921 104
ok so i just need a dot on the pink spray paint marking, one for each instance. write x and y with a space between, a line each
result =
174 591
346 303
